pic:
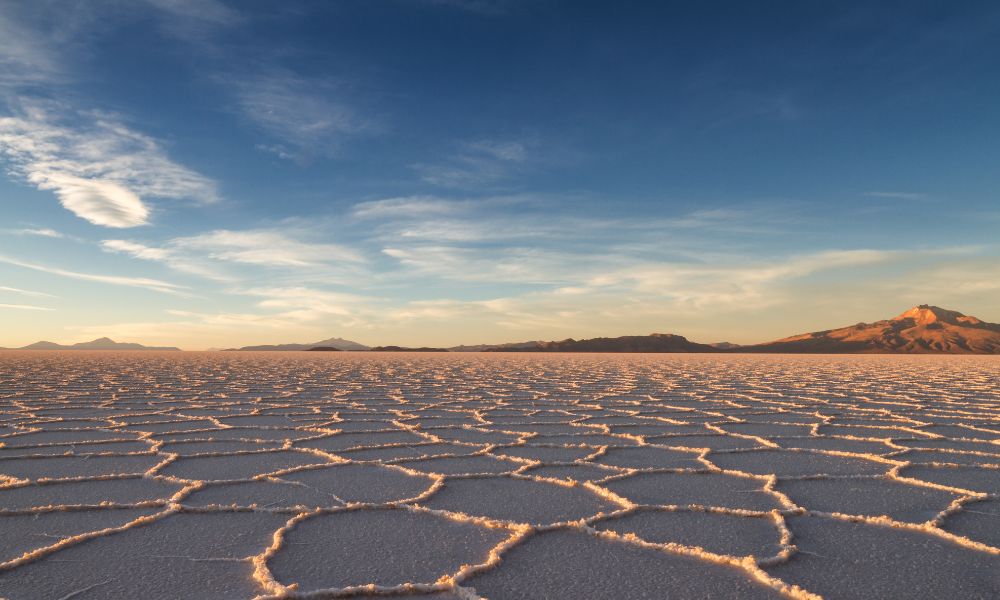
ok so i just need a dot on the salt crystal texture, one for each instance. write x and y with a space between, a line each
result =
465 476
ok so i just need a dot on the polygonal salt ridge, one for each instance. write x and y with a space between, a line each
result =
386 550
242 466
544 453
790 463
597 576
112 491
38 533
872 496
348 440
730 532
522 499
704 488
947 457
649 457
927 558
571 472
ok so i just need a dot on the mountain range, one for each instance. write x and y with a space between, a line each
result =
98 344
337 343
923 329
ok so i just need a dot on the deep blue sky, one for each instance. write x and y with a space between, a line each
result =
416 171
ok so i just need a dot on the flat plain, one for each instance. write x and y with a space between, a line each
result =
458 476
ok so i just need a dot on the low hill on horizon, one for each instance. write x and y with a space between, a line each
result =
337 343
923 329
655 342
98 344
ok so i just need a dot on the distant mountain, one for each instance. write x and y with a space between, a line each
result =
656 342
338 343
923 329
404 349
725 345
98 344
511 347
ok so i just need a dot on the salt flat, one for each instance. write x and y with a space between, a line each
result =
443 476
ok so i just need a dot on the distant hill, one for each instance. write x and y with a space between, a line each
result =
338 343
512 347
98 344
923 329
725 345
656 342
404 349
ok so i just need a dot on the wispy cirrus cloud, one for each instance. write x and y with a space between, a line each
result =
897 195
97 167
40 232
24 307
219 254
478 163
14 290
25 59
481 7
155 285
301 117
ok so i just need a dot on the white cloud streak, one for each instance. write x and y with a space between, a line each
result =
137 282
24 307
14 290
303 115
97 167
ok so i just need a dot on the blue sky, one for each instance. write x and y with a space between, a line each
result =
203 173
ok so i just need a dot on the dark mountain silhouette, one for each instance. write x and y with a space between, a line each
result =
338 343
656 342
98 344
923 329
405 349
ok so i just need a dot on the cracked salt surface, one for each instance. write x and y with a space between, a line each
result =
454 477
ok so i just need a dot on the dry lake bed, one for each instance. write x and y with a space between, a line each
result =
445 476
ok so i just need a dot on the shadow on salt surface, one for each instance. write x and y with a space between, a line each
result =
573 472
401 452
263 494
53 467
116 491
385 547
346 441
643 457
518 500
34 532
735 535
715 442
701 489
458 465
473 436
796 463
841 559
238 466
180 556
544 453
838 444
363 483
189 448
978 521
967 478
67 437
238 433
869 497
574 564
123 447
958 458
